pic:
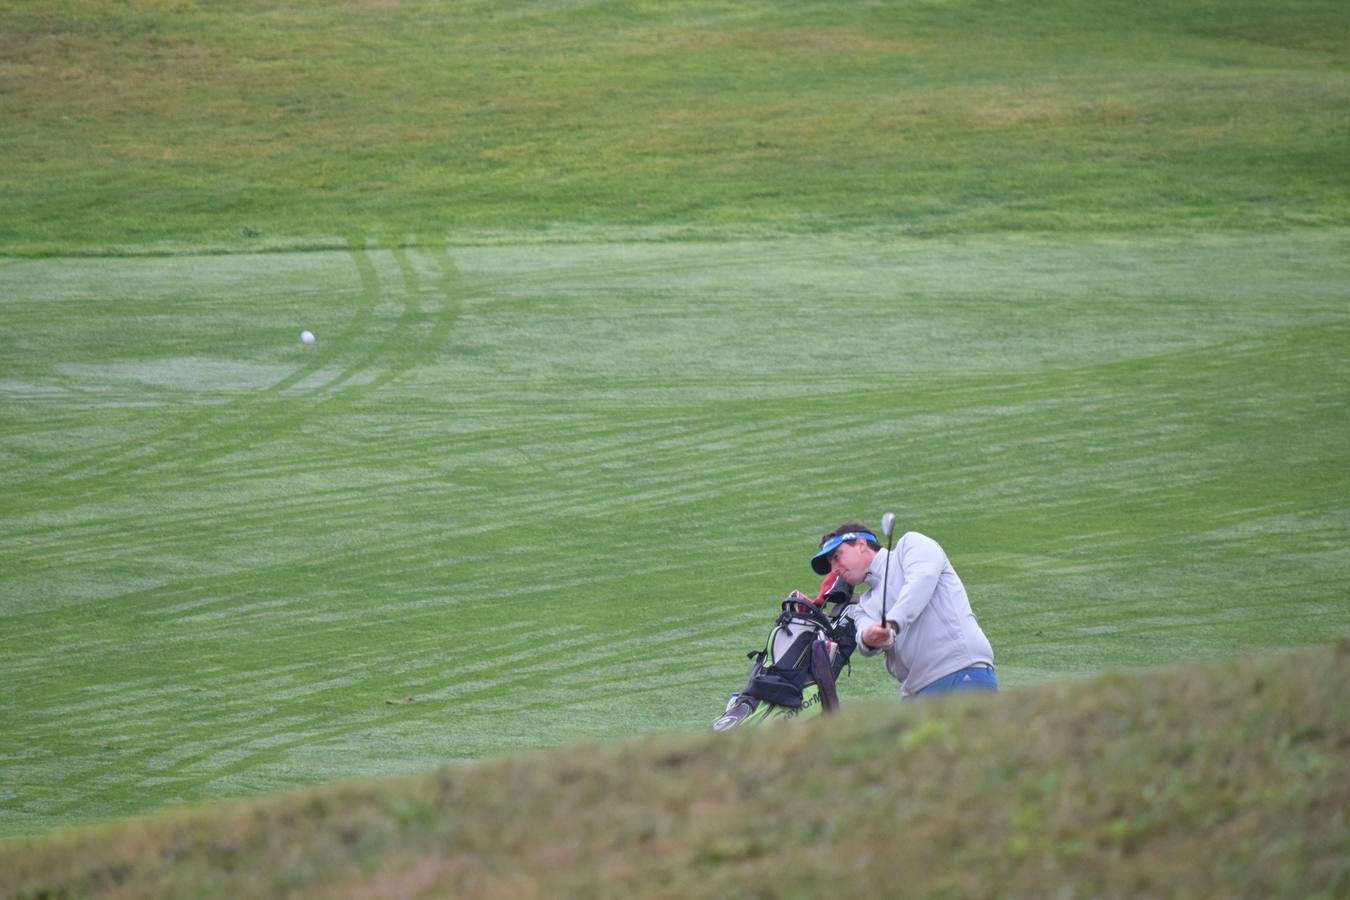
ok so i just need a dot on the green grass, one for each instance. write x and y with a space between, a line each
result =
262 124
1205 780
620 305
554 491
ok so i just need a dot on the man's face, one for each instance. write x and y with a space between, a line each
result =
851 559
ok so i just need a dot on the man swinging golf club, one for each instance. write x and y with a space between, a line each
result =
915 609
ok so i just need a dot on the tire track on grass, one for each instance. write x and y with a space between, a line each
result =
129 454
186 439
676 442
94 476
397 352
590 651
600 659
248 421
246 748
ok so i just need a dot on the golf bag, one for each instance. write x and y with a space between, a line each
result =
795 673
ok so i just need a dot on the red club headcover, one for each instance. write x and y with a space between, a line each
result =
825 586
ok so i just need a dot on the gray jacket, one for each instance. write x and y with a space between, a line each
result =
926 599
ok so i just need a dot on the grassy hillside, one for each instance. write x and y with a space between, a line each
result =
260 123
1227 779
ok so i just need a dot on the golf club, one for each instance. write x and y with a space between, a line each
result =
888 529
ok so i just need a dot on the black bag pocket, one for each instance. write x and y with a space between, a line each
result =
775 689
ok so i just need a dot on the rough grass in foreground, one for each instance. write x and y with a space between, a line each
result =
1205 780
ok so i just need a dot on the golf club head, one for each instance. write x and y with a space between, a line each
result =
888 526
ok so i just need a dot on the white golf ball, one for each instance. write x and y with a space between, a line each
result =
307 337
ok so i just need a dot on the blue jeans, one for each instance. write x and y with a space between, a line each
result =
975 678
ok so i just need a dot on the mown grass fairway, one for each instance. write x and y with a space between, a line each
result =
618 306
555 491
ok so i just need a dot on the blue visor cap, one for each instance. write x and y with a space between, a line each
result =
820 563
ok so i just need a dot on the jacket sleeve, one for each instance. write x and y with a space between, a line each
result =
862 617
861 620
922 561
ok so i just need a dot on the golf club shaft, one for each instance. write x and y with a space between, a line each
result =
888 529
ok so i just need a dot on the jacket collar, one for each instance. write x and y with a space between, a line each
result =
876 569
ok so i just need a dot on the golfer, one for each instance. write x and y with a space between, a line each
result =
930 637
